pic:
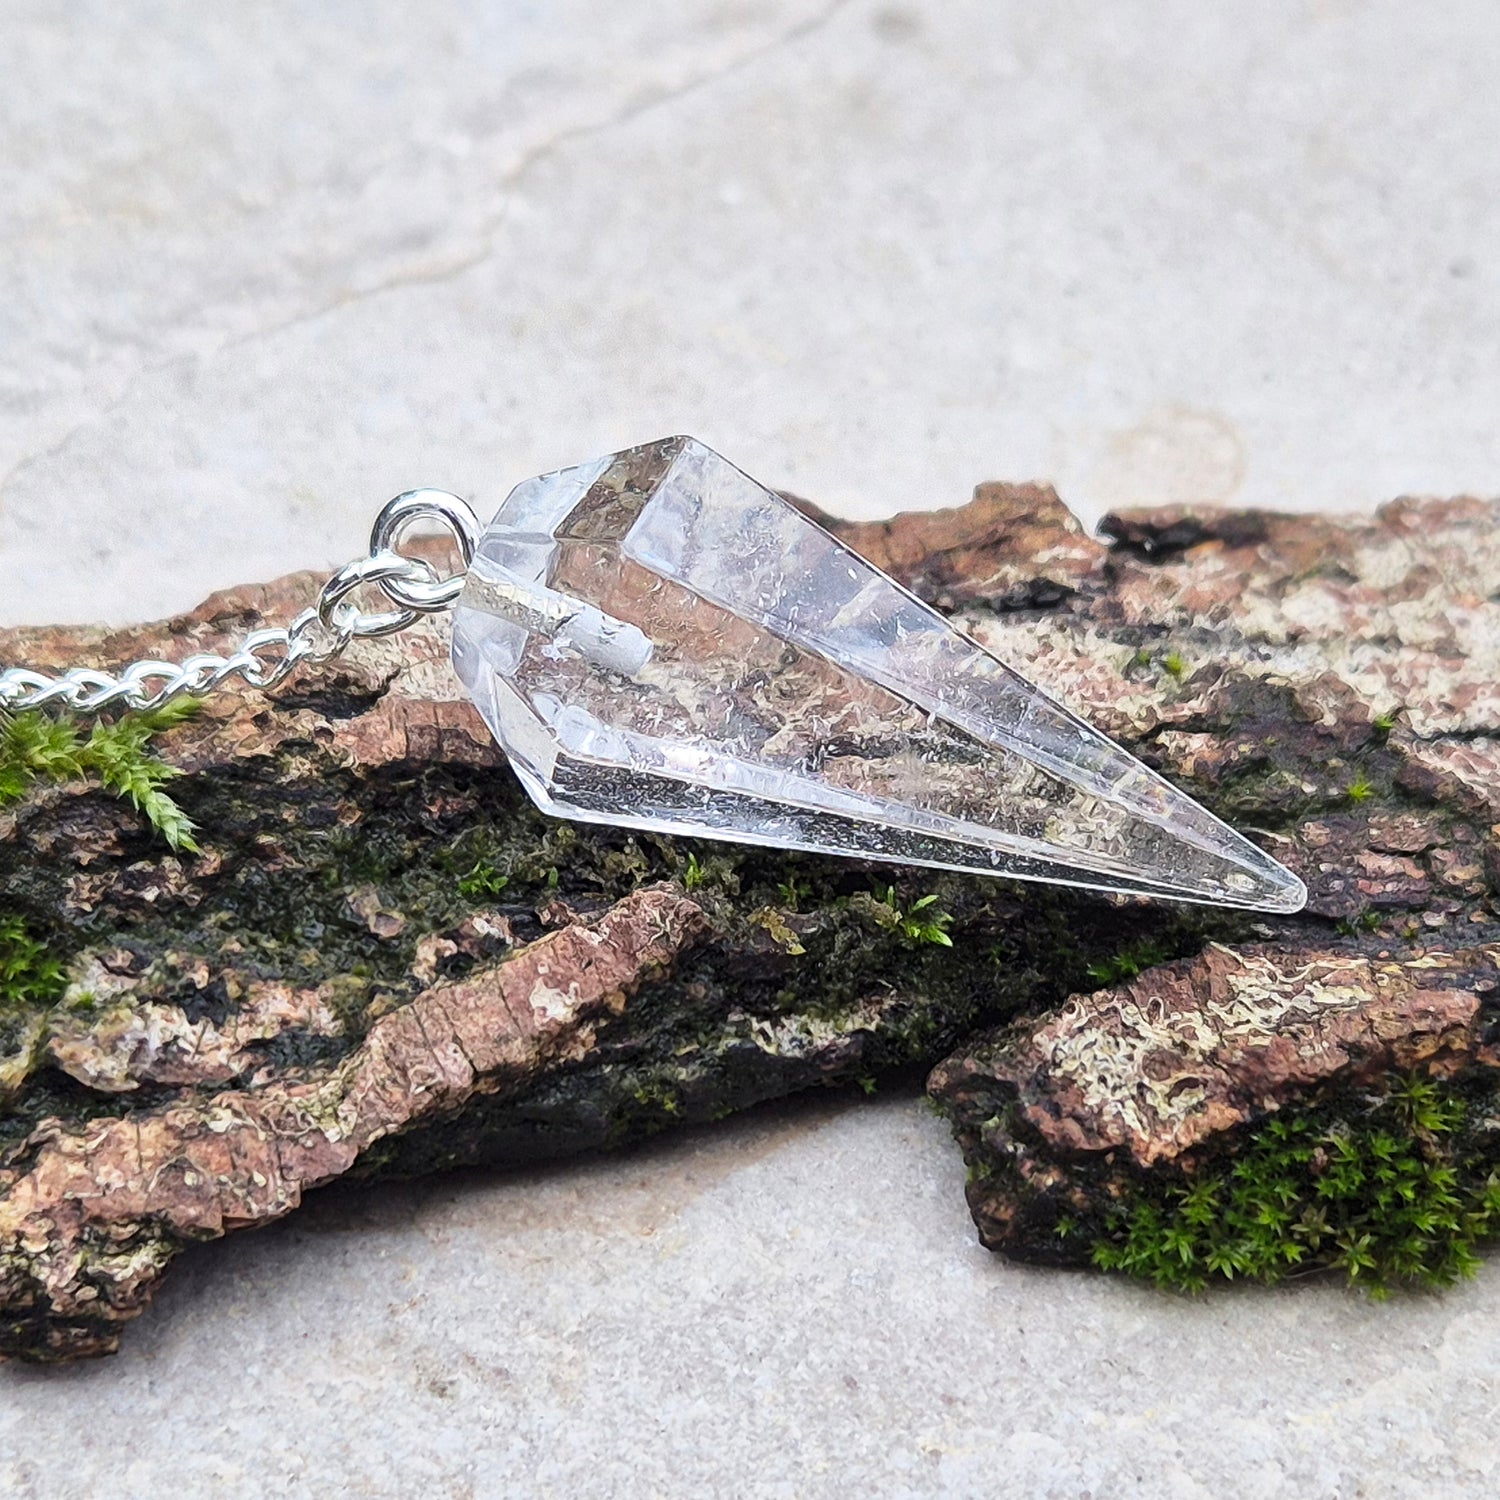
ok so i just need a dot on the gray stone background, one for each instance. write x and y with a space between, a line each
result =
263 265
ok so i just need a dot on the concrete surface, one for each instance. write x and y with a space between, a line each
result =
262 266
792 1305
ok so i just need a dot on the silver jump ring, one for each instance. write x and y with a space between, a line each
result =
451 512
382 568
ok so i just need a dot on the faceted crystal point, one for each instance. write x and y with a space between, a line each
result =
659 642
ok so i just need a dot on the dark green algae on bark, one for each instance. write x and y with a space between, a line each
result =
366 857
368 887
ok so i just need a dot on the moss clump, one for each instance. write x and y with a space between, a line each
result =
921 922
32 980
1391 1198
38 749
482 881
35 747
1129 963
30 977
1170 663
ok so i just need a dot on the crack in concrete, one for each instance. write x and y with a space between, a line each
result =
630 111
487 232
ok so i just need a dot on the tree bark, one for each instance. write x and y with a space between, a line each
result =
384 961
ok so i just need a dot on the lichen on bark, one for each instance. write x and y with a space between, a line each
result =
1337 689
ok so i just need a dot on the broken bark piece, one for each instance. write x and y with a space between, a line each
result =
1379 637
1326 684
1156 1071
92 1212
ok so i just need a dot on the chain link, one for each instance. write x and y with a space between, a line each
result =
267 657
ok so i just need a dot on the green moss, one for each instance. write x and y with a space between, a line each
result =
482 880
1128 963
1361 789
1395 1196
31 978
921 922
716 869
655 1099
1171 663
37 748
32 981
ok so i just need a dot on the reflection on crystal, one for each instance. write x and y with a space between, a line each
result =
660 642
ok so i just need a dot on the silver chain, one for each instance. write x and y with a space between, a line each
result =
266 658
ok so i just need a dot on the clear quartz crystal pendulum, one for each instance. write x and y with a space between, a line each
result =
660 642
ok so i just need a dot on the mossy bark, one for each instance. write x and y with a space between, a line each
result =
1246 1109
372 886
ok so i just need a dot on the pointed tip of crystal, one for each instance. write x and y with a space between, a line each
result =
660 642
1278 890
1258 883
